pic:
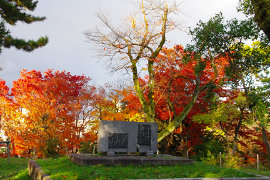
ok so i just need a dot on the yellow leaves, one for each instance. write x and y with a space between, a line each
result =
138 117
143 69
132 21
216 132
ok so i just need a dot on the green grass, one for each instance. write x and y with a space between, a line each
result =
254 171
62 168
15 169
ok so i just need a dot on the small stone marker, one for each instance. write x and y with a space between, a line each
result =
123 136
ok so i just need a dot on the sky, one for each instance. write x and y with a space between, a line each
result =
69 50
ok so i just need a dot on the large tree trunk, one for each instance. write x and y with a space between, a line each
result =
148 108
265 140
262 15
151 97
237 128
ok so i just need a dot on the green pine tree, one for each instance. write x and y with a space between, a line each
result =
11 12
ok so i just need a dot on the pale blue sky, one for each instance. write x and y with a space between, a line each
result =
69 50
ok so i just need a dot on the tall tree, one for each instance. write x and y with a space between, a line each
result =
138 42
221 37
45 112
182 79
189 74
260 101
13 11
185 86
213 40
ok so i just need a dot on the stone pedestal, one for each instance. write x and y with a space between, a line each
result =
110 153
149 154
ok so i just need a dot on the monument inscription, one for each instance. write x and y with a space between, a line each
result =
118 140
144 134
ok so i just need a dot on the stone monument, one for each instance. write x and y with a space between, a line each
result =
124 136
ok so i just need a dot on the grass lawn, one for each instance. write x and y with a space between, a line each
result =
62 168
254 171
16 169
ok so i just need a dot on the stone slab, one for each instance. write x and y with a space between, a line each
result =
124 136
88 159
35 172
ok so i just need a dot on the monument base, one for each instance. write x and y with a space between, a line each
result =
161 159
149 154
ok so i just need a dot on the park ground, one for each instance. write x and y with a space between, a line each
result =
62 168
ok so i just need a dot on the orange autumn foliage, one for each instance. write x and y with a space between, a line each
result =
46 111
111 105
4 100
175 81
